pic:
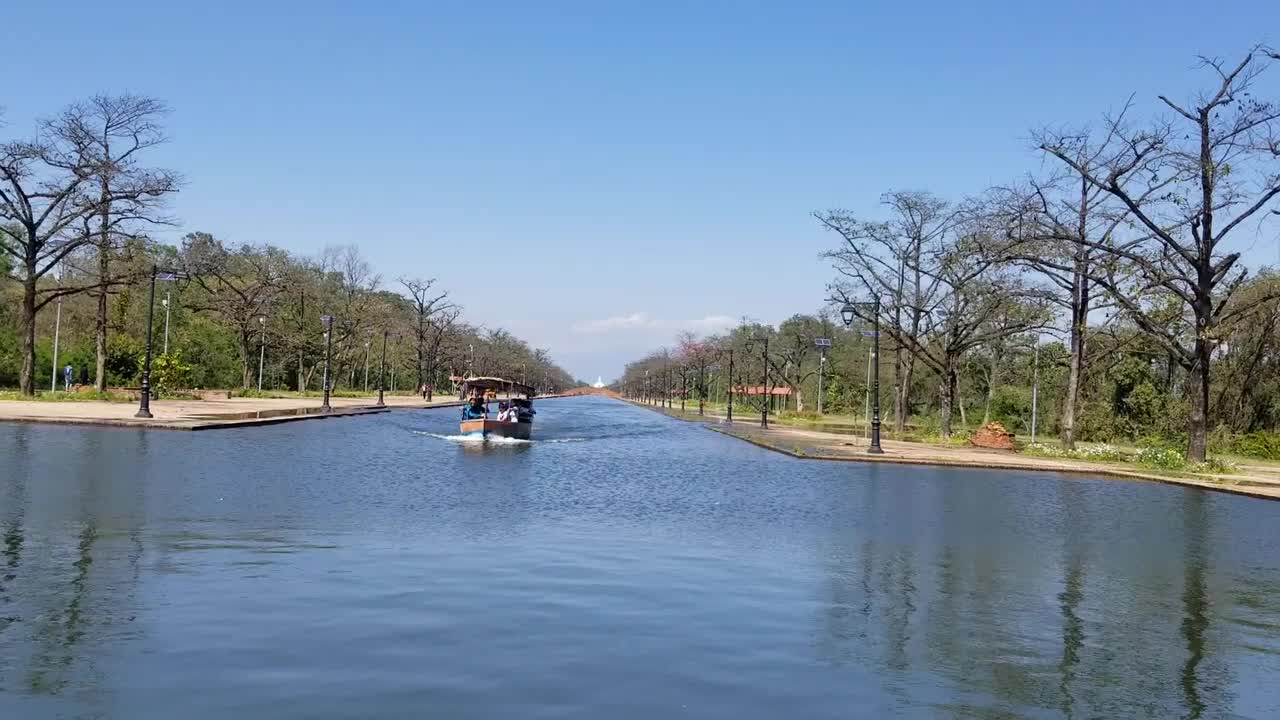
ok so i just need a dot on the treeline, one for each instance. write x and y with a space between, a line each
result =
77 204
1111 282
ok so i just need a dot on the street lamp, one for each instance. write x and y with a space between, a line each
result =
382 367
847 313
366 365
822 344
764 406
262 349
729 414
328 342
144 392
165 302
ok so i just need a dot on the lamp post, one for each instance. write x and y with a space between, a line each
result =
823 344
395 337
684 386
366 365
1035 390
165 302
382 366
262 349
729 414
847 313
764 406
57 328
328 342
646 386
144 392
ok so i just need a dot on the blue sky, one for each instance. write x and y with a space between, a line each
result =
645 167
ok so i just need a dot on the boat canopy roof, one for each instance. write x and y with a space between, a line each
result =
495 383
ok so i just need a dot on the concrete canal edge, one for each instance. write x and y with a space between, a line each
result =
193 424
1094 471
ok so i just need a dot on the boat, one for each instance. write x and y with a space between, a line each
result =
477 392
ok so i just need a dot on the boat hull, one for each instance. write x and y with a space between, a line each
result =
496 428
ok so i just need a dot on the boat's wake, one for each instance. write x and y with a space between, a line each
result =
494 439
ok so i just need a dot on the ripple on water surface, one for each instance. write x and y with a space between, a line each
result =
621 564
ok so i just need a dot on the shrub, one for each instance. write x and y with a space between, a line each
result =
1214 465
1259 444
1160 458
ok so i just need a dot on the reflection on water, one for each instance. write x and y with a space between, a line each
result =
622 565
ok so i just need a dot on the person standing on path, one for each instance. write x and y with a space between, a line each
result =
66 376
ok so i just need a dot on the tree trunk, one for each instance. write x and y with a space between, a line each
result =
1079 324
903 400
1197 421
27 326
948 388
100 321
1075 370
302 374
991 389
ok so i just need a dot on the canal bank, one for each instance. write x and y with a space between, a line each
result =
210 414
1254 480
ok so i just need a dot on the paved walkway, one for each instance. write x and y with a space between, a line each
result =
201 414
1258 479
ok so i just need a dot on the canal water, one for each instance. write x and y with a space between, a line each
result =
622 565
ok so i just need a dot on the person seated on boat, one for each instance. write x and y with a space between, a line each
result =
507 413
475 410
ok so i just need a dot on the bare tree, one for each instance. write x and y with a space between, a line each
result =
438 328
42 200
114 131
427 301
239 285
890 260
1187 183
968 304
1048 228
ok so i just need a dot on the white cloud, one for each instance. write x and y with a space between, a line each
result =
710 324
644 323
616 323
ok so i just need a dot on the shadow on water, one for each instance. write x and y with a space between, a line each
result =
66 598
966 631
1195 621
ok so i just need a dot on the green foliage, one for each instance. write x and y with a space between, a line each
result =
124 361
169 373
60 396
1260 444
1011 406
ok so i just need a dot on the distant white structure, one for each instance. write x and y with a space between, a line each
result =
599 382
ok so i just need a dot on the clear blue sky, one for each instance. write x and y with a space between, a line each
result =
646 166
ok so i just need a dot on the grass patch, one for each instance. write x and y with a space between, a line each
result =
60 396
1159 458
